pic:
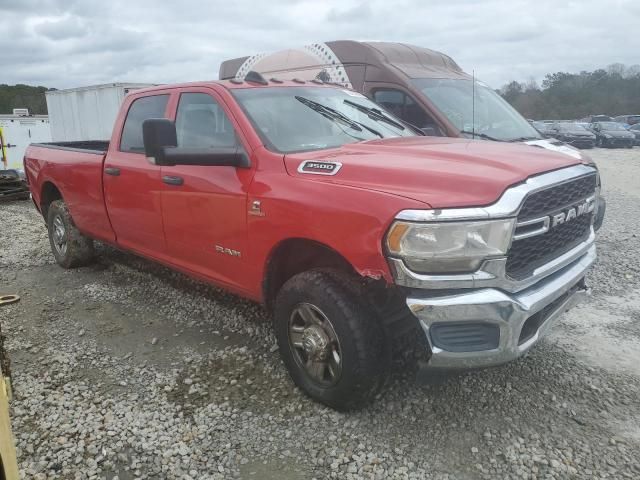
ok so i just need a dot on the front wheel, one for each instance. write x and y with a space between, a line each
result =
70 248
331 342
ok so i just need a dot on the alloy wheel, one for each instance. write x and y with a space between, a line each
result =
59 236
315 345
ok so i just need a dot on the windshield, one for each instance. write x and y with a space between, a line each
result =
297 119
611 126
493 116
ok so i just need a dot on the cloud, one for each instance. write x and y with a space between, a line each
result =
355 14
67 43
62 29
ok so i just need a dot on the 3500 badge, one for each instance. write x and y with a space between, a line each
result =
319 168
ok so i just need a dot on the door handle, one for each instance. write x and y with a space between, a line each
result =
112 171
172 180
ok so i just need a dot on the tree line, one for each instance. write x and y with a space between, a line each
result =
23 96
611 91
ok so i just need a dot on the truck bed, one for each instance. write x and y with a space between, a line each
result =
99 147
76 169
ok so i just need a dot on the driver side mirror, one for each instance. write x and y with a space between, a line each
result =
161 148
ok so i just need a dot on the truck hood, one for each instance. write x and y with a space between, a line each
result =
440 172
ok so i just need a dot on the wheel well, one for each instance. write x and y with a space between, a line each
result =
295 256
50 193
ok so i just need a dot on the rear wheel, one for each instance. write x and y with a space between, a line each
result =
331 342
70 248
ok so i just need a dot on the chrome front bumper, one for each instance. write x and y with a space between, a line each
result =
503 315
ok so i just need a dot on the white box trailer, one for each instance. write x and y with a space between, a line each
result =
86 113
17 131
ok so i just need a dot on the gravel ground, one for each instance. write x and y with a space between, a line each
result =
126 370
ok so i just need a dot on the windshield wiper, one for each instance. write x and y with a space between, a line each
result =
335 115
375 114
481 135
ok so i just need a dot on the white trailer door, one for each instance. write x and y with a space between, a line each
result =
18 133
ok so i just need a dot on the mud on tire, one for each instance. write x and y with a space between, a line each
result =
349 325
70 248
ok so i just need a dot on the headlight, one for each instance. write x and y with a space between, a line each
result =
449 247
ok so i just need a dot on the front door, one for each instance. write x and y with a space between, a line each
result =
132 185
205 207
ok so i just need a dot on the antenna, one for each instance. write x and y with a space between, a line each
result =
473 103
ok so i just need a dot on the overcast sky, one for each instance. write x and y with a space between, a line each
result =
68 43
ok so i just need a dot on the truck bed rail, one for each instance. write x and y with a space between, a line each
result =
99 147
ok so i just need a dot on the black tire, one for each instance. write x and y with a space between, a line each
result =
70 248
359 337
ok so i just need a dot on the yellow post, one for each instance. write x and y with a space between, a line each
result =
8 460
7 447
3 150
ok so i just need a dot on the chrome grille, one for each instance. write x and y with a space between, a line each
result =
527 254
544 202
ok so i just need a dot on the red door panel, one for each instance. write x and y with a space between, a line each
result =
205 220
134 202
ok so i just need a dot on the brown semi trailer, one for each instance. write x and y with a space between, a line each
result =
421 86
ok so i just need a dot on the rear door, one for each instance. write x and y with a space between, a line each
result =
132 185
205 207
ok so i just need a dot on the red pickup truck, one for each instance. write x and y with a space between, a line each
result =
351 226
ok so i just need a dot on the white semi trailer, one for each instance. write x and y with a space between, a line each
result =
86 113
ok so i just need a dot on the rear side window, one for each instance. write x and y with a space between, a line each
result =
202 123
139 111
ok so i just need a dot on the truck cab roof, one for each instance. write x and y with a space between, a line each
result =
235 84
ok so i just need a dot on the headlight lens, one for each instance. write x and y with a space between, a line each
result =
449 247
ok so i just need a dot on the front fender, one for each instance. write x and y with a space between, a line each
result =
349 220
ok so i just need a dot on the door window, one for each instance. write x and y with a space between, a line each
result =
202 123
403 106
139 111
